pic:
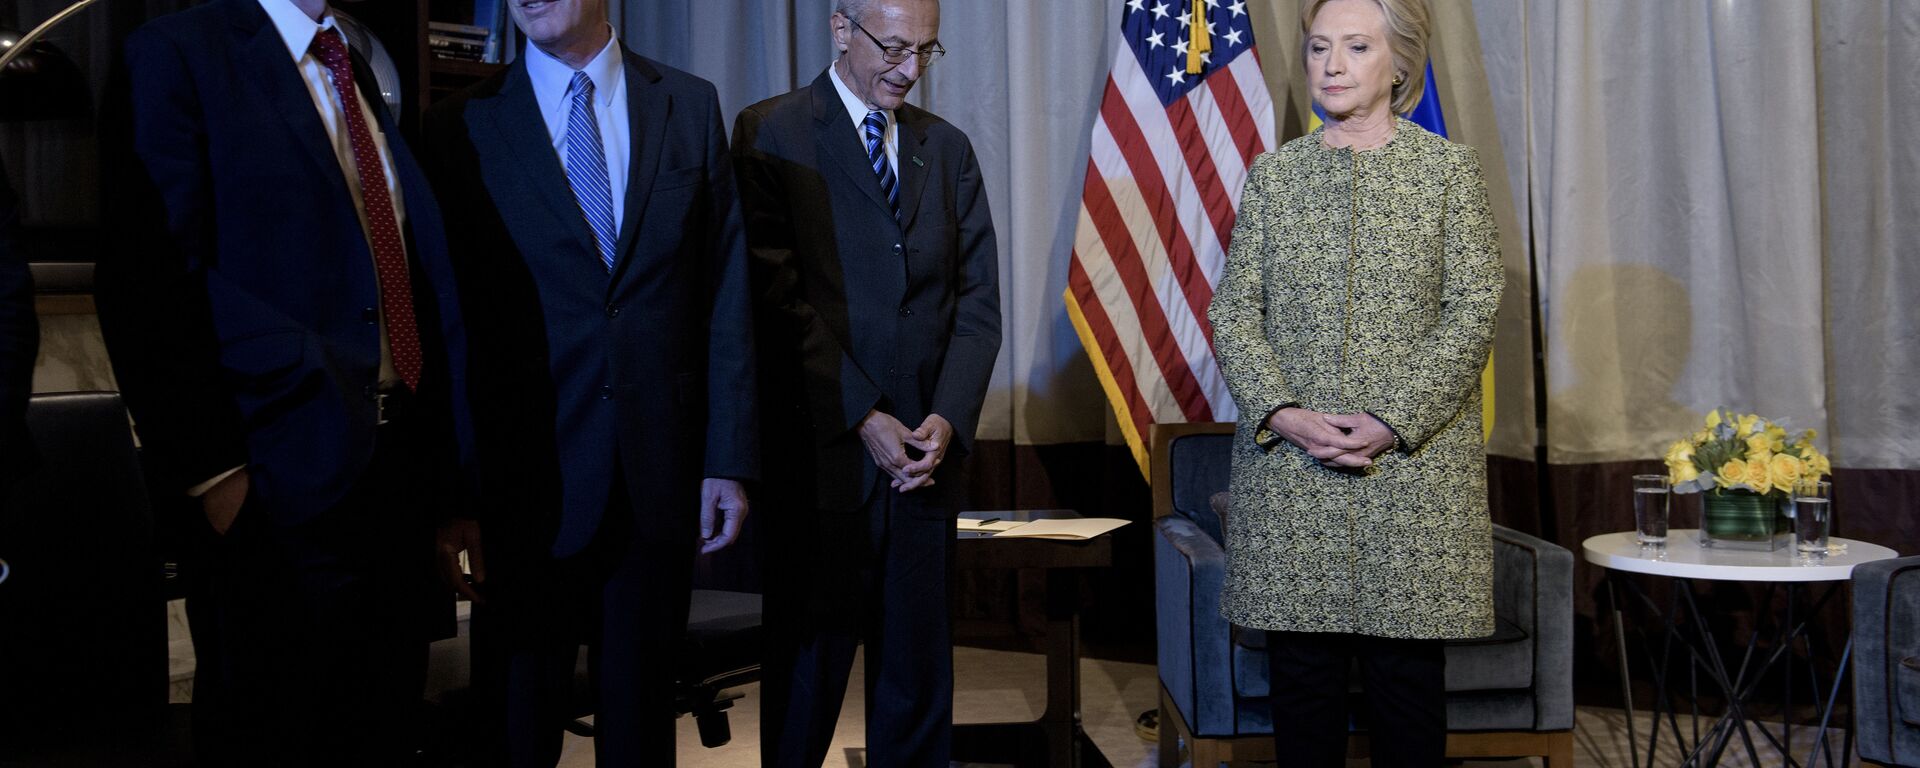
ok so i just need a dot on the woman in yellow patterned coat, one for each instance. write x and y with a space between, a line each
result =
1352 323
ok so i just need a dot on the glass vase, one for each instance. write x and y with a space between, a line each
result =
1743 520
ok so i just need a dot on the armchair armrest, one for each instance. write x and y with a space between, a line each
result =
1196 643
1533 589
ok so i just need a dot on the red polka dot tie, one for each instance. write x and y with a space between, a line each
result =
389 252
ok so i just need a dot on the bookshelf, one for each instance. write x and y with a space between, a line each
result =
403 28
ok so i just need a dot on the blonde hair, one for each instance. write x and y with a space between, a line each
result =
1408 24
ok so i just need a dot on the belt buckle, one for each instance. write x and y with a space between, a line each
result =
380 408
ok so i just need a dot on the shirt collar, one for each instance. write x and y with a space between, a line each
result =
552 77
856 108
295 27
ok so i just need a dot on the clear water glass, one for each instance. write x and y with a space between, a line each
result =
1812 517
1650 496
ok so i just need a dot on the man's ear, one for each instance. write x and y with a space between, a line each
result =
840 29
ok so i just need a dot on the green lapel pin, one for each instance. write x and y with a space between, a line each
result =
919 162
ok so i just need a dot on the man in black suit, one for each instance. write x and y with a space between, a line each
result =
593 215
19 344
281 315
875 269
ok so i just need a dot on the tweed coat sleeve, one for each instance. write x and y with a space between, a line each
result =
1456 348
1239 308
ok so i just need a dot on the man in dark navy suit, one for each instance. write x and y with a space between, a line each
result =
281 315
876 273
597 238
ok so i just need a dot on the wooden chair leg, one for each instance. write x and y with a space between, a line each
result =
1169 734
1206 753
1560 750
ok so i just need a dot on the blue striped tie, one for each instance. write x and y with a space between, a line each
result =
875 128
587 167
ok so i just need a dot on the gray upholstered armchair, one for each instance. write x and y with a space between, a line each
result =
1886 660
1508 695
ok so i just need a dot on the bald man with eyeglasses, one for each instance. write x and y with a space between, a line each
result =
874 266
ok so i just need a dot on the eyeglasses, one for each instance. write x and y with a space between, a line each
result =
897 54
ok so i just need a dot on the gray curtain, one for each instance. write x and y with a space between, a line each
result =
1723 212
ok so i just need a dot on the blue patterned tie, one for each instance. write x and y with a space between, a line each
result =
875 128
587 167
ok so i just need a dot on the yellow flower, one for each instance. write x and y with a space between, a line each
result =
1817 465
1759 445
1713 418
1784 471
1758 474
1732 473
1682 472
1745 427
1680 468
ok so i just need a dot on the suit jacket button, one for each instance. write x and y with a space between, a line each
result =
370 315
613 311
906 311
606 393
896 249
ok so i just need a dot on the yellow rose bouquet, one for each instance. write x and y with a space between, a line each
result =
1746 466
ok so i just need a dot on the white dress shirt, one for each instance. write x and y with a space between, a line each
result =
553 90
858 110
297 29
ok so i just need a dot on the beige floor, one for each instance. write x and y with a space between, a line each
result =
997 685
1005 686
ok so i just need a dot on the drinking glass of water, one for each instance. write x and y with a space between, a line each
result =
1812 517
1650 493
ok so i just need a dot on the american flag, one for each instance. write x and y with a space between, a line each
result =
1170 152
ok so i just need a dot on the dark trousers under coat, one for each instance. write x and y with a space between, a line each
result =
625 596
311 639
890 594
1405 693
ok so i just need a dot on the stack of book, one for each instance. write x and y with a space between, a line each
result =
464 42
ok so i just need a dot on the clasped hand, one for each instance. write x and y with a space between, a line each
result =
1334 439
887 441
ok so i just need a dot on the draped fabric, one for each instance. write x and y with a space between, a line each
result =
1720 197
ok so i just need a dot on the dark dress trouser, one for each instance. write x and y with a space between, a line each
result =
1405 684
890 594
625 596
311 639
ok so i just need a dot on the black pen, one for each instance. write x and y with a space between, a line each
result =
986 522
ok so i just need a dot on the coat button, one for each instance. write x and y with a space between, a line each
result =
370 315
613 311
906 311
606 393
896 249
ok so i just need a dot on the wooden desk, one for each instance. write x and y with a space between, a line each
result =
1057 738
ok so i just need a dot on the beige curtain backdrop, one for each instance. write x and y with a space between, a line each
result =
1722 213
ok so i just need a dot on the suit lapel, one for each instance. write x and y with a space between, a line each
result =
648 110
509 125
839 142
265 53
913 169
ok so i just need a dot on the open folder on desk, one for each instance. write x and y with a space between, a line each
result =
1073 529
